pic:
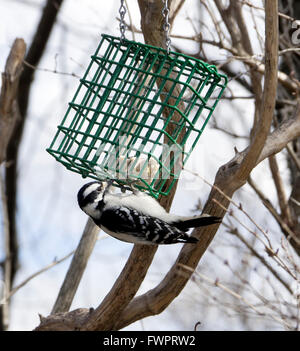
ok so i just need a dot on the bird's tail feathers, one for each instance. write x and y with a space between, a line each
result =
188 239
197 221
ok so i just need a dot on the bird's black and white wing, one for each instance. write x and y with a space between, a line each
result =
130 225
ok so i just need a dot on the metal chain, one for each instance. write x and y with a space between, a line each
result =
166 26
122 12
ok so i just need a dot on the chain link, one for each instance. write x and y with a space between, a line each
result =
166 26
122 12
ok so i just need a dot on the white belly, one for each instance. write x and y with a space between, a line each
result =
126 237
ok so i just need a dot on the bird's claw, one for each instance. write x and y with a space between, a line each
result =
110 183
129 186
132 183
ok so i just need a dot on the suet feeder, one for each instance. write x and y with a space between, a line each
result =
137 114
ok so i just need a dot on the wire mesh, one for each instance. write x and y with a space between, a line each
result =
133 113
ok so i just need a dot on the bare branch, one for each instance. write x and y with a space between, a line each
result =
132 275
293 156
77 268
291 85
9 113
269 93
245 2
50 70
7 262
281 136
236 295
230 178
33 56
32 276
255 76
270 268
282 198
120 308
288 232
107 313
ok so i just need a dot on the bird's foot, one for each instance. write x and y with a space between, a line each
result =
109 183
130 186
131 183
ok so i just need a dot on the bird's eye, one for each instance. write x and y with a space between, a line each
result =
99 188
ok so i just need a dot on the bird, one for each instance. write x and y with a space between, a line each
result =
137 217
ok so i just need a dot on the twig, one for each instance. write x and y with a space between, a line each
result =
293 156
295 201
282 52
7 262
235 232
215 21
55 71
176 11
233 293
9 117
289 18
282 199
33 56
268 248
251 97
77 267
215 126
238 206
9 113
32 276
283 78
285 228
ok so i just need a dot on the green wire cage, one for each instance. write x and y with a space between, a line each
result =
137 114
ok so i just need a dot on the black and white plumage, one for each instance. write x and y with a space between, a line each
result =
137 217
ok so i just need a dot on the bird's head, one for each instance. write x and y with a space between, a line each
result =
89 197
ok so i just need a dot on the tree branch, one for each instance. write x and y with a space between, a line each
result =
106 314
287 231
77 268
281 136
229 178
269 93
33 56
9 113
4 308
126 286
282 199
